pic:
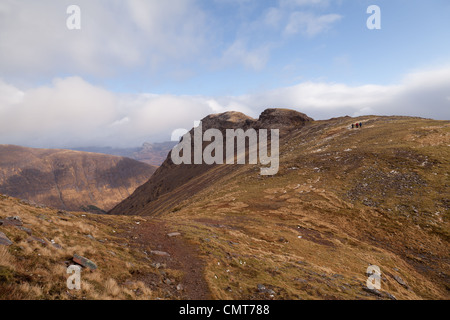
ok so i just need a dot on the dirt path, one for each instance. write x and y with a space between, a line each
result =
153 236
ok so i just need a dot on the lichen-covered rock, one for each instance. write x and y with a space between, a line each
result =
84 262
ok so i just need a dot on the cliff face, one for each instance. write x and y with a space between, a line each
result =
69 180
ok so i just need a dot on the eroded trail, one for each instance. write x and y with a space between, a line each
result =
182 256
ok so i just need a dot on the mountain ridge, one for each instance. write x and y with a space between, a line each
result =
343 199
67 179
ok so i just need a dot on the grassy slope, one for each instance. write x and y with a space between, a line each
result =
33 270
355 197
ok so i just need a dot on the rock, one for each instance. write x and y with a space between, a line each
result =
158 265
337 276
261 288
174 234
12 221
401 282
381 294
15 218
283 240
33 238
28 231
4 241
168 281
84 262
180 287
391 296
138 292
283 118
375 292
300 280
57 246
160 253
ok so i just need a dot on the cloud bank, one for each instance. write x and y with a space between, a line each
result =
113 35
71 112
144 35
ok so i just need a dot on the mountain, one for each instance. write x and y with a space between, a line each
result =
344 199
69 180
172 183
150 153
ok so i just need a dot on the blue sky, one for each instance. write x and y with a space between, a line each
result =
413 36
144 68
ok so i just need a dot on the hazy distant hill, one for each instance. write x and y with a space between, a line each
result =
150 153
70 180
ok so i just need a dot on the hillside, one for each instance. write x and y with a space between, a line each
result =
343 199
69 180
38 244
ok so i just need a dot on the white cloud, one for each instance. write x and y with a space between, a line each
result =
299 3
149 37
239 52
71 112
122 34
310 24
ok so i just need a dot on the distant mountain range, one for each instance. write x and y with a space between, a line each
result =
69 180
150 153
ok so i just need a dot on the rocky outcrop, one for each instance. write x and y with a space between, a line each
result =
282 119
171 183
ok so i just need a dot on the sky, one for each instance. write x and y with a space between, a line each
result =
136 70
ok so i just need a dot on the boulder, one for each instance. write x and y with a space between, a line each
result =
33 238
401 282
4 241
27 230
12 221
261 288
84 262
160 253
173 234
